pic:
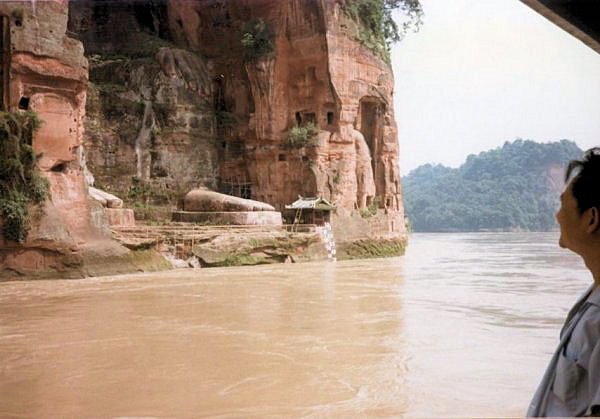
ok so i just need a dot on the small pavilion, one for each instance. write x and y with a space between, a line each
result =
310 210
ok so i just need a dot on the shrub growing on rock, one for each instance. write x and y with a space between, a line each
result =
257 39
21 182
302 136
371 209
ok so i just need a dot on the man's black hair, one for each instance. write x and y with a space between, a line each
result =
586 183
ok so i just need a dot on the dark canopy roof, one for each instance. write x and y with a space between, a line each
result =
580 18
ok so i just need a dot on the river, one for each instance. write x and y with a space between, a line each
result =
462 325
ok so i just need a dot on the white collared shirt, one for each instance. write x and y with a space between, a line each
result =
571 383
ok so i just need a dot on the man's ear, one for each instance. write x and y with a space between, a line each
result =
593 220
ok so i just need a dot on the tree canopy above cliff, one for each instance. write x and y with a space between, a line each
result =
379 28
513 187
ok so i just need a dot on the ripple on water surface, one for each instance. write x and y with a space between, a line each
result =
437 332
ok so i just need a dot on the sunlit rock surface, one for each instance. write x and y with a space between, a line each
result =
173 103
106 199
205 200
258 248
48 74
316 73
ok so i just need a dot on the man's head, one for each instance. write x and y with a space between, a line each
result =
579 213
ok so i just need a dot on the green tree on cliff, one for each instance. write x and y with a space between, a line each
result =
378 30
256 39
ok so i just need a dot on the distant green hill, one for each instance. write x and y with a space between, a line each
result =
513 187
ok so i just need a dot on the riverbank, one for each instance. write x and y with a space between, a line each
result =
192 245
158 245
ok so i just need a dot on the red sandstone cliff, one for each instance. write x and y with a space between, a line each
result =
45 71
316 72
172 104
227 119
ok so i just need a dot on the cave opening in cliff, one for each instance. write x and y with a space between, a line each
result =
235 149
24 103
309 117
370 124
219 95
59 167
143 15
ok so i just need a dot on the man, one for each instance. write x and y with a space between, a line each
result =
571 384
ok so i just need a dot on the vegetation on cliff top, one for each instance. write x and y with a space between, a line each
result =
21 182
377 29
508 188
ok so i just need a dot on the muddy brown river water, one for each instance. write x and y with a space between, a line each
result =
462 325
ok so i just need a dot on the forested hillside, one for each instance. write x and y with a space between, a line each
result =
513 187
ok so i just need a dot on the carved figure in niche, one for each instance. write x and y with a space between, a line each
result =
391 198
306 83
320 179
365 184
395 182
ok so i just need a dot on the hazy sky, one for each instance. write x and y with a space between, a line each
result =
481 72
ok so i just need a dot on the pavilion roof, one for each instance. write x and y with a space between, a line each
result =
311 203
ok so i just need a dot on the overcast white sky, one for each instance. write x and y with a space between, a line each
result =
481 72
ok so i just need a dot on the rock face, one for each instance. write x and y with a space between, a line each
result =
316 73
149 109
106 199
45 71
120 217
260 248
117 215
173 103
271 218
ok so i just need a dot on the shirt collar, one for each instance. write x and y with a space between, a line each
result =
594 297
